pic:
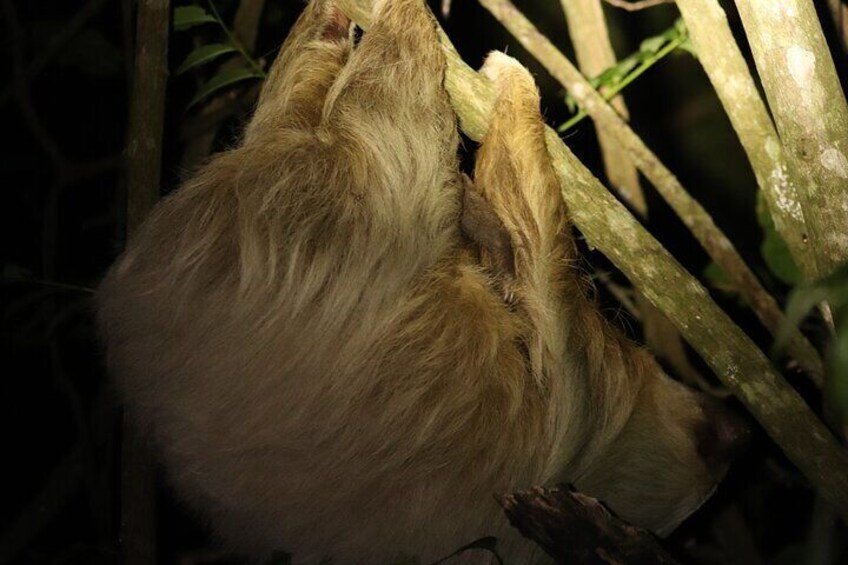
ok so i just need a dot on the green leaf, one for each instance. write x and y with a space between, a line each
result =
615 78
186 17
773 249
628 64
779 260
223 79
717 278
836 386
614 75
832 289
204 54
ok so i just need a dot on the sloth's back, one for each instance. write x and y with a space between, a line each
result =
346 391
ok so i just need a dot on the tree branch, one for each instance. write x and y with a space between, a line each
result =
590 36
147 110
574 528
246 23
839 17
811 114
144 164
727 70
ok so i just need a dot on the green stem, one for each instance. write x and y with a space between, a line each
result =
636 73
236 43
51 284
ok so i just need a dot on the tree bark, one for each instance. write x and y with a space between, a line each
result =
574 528
590 36
727 70
693 215
143 175
811 114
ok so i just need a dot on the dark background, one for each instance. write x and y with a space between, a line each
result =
61 212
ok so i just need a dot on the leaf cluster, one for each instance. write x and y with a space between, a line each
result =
246 68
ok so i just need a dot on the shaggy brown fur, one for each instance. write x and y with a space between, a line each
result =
327 365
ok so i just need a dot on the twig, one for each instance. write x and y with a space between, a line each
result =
611 229
234 36
61 486
56 42
590 36
693 215
574 528
20 88
611 93
634 5
839 16
144 162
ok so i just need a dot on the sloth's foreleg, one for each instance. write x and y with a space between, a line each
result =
390 123
513 173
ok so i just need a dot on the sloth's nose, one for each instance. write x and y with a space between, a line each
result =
721 435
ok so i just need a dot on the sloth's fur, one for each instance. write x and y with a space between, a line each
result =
328 365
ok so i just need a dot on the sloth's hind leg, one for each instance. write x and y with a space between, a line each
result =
309 61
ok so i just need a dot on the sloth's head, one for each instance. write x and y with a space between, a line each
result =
668 457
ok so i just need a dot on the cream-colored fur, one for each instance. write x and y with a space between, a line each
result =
327 365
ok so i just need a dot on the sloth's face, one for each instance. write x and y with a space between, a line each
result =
676 446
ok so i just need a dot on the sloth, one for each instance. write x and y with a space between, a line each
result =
340 346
